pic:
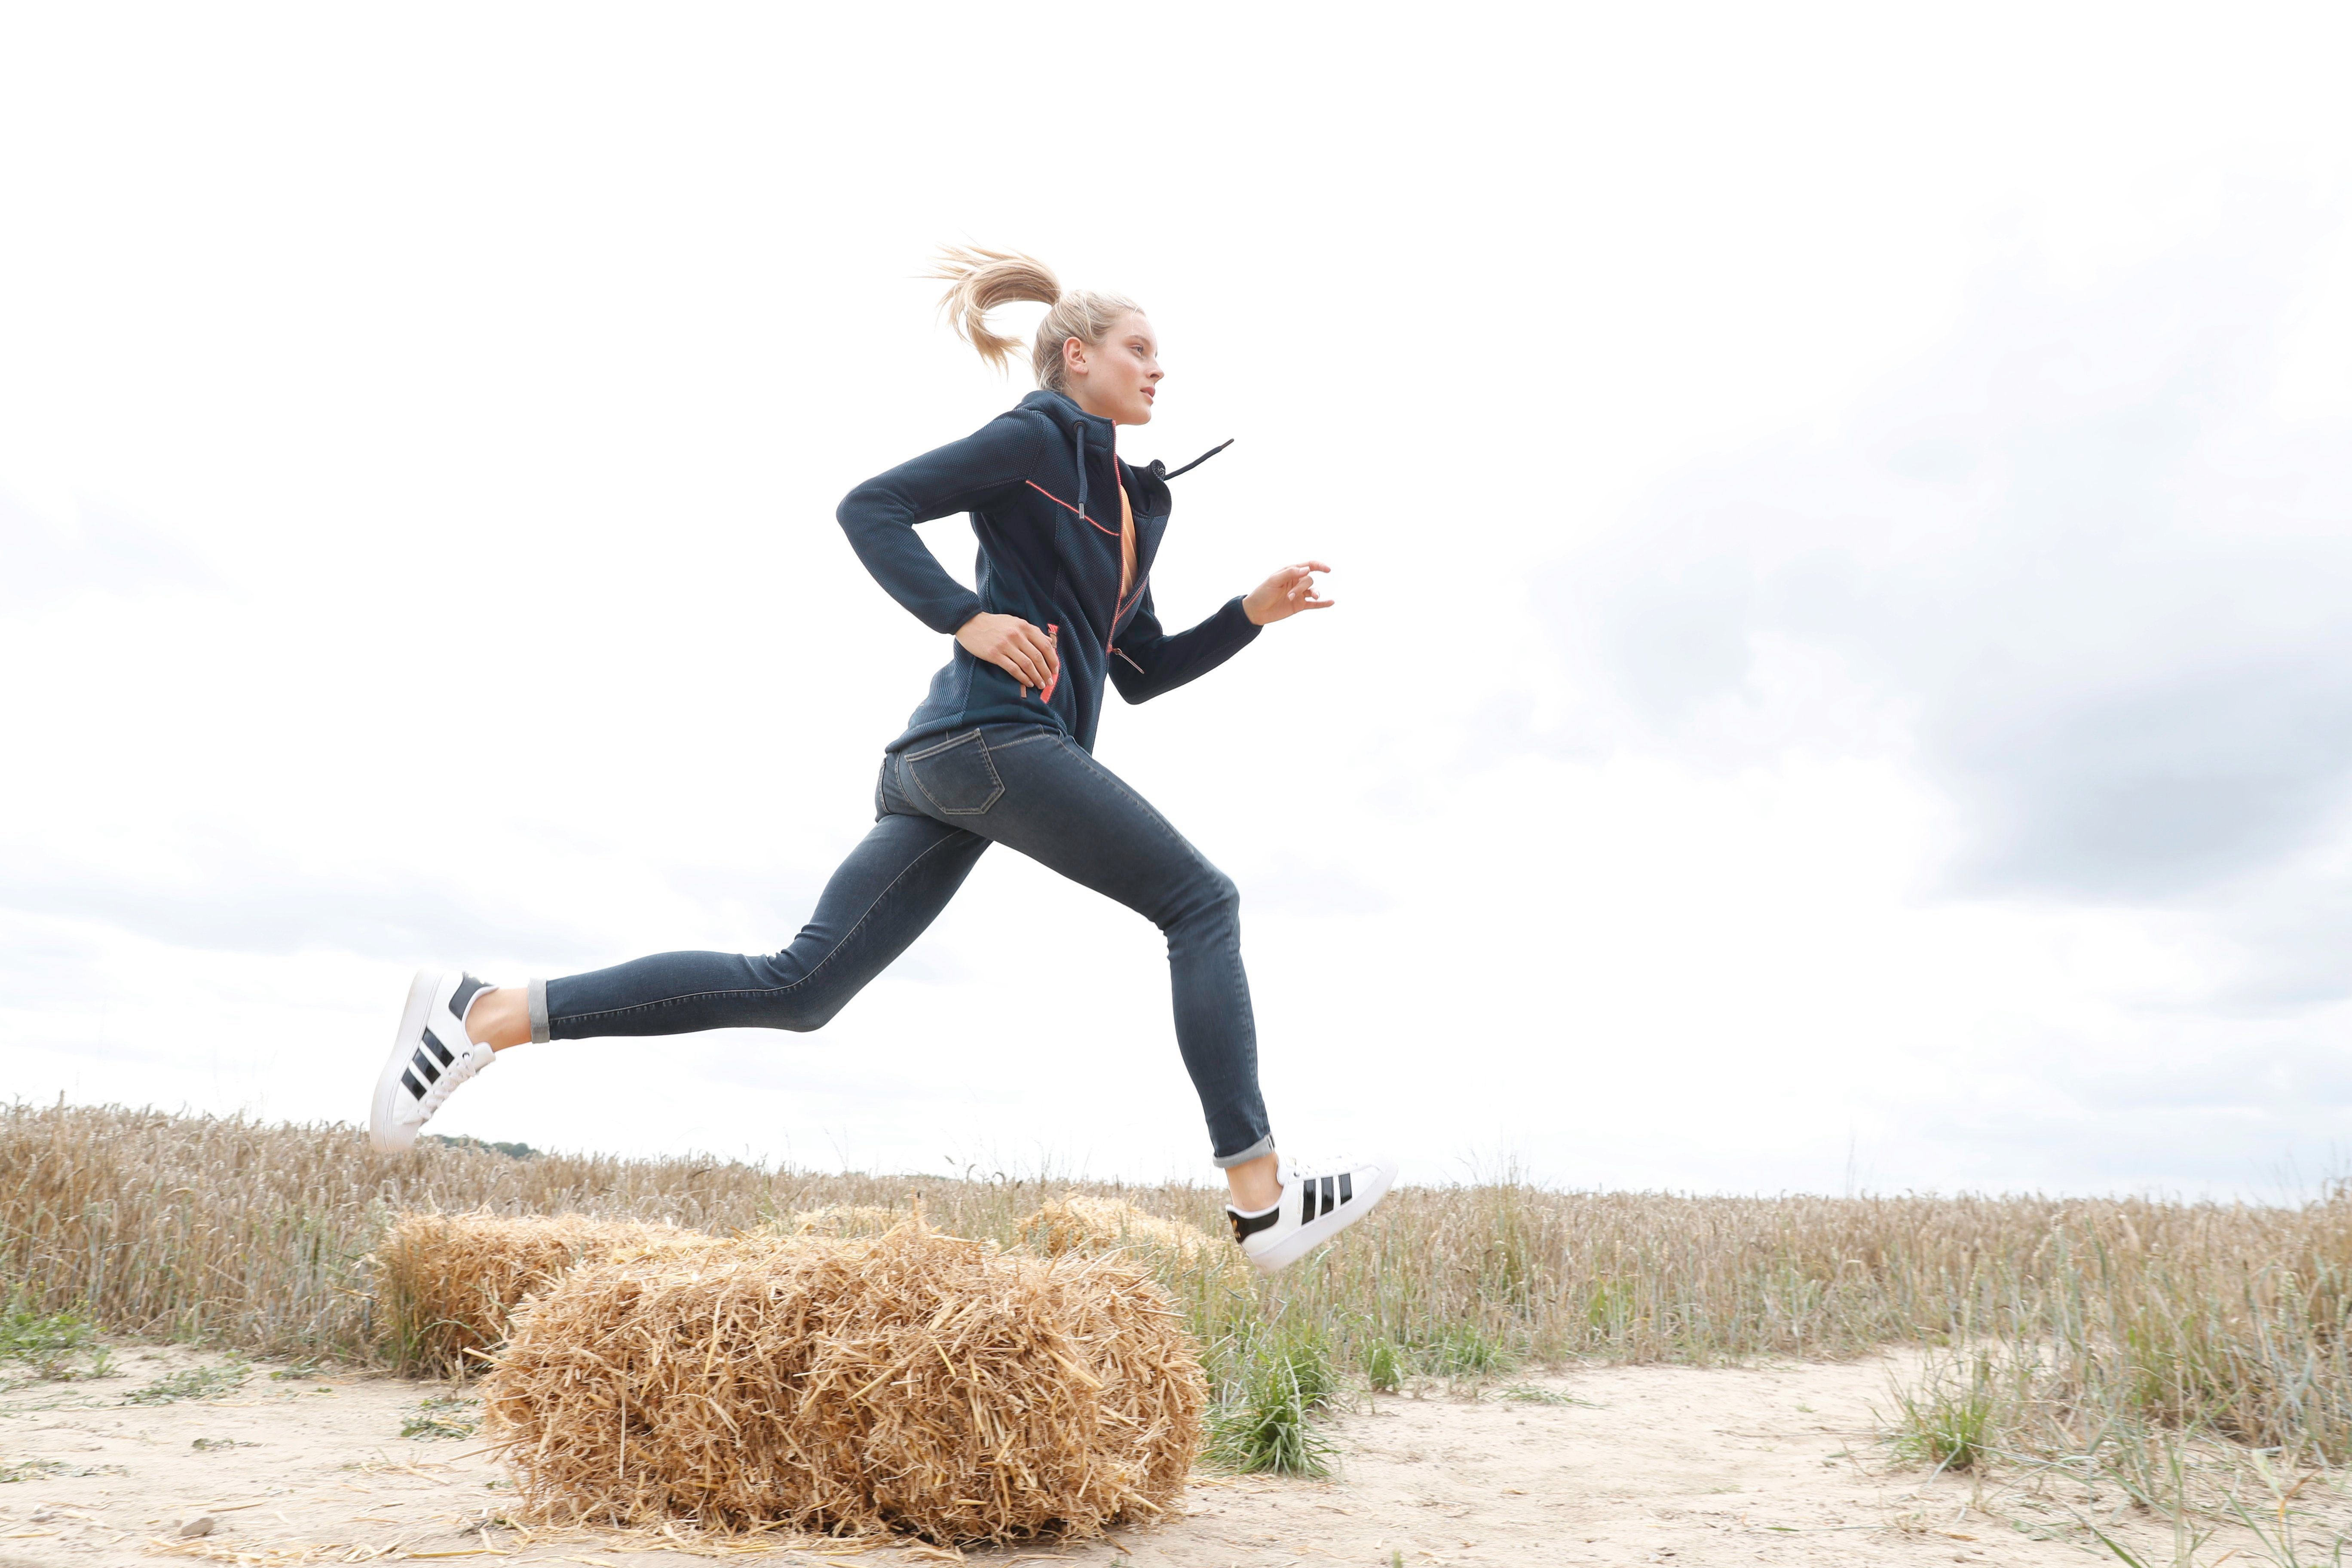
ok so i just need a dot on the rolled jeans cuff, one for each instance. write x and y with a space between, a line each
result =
538 993
1257 1151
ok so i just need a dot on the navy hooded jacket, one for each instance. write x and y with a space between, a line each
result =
1037 482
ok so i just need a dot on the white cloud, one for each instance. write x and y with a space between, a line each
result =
2077 555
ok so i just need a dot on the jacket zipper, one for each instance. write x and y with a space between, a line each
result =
1119 607
1118 601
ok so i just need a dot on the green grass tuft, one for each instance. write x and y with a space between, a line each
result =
57 1469
1469 1352
1947 1419
194 1383
51 1344
1383 1367
450 1416
25 1470
1262 1419
1527 1393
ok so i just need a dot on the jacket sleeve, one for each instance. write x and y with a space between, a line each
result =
880 515
1146 661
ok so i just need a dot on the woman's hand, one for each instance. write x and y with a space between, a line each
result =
1013 646
1285 594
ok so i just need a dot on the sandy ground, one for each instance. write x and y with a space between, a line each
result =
1649 1465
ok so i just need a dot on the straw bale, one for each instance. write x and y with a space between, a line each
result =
912 1382
1076 1223
846 1219
445 1283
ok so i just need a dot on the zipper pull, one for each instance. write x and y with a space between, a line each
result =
1054 636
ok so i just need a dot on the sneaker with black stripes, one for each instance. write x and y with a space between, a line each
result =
431 1056
1318 1203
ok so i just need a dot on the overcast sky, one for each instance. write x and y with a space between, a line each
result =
1844 526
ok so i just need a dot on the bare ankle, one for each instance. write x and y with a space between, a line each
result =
501 1020
1257 1185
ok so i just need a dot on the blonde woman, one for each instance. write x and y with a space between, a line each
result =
998 752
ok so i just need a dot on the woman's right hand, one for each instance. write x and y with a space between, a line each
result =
1013 646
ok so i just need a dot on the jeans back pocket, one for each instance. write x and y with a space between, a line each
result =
956 776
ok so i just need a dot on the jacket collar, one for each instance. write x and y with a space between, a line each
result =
1070 416
1102 437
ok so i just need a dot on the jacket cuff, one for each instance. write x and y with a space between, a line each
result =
1238 627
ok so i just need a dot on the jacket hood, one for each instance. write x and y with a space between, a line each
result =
1066 415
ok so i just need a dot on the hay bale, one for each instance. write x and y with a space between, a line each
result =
844 1219
445 1283
910 1382
1076 1223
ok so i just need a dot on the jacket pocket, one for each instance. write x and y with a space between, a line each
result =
956 776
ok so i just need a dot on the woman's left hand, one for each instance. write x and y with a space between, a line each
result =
1285 594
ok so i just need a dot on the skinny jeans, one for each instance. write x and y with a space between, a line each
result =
937 806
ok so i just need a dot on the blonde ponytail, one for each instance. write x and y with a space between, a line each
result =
979 281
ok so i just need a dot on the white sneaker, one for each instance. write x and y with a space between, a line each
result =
1318 1203
431 1056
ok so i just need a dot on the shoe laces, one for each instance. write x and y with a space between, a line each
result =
474 1058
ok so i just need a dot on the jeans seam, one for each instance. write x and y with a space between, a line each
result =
815 970
950 744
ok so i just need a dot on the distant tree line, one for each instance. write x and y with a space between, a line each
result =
515 1151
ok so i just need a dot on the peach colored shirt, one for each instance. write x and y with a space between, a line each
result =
1125 545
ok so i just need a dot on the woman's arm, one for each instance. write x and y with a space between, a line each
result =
1147 661
880 515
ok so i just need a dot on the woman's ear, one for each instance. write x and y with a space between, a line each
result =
1074 356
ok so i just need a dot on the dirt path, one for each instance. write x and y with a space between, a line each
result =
1646 1465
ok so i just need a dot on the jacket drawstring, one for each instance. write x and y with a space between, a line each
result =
1163 473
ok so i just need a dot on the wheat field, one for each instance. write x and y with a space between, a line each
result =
2167 1346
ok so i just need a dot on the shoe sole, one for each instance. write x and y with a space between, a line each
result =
1314 1233
384 1129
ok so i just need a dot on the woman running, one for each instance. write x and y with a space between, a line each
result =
1000 752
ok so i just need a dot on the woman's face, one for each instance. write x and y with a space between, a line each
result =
1116 378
